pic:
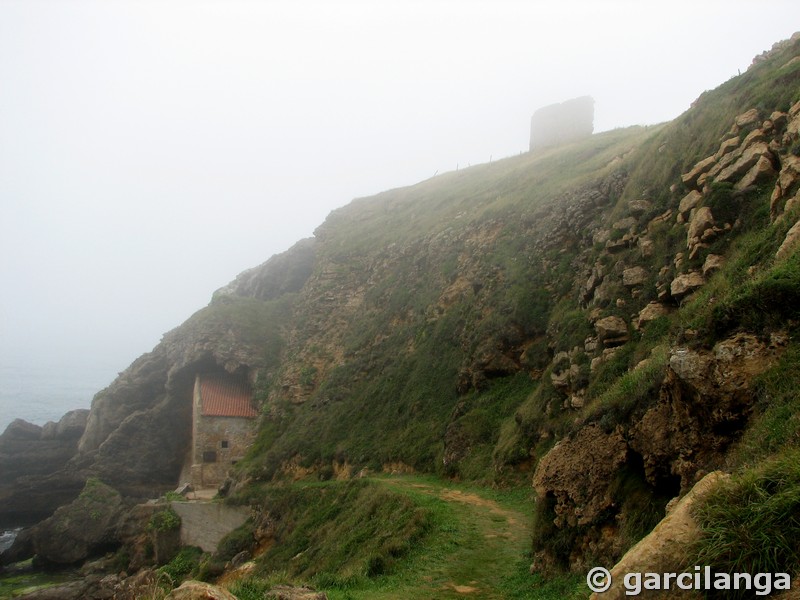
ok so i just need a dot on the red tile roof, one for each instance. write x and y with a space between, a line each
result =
225 397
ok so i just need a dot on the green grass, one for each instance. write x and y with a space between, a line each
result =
776 423
634 390
469 536
751 524
15 584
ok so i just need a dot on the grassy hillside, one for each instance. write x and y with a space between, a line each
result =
491 326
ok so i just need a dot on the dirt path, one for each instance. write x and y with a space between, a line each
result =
480 545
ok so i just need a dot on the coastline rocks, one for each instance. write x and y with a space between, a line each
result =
32 459
84 527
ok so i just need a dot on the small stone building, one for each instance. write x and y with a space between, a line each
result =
223 426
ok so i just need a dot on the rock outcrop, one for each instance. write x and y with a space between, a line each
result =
703 401
29 453
663 550
597 456
82 528
198 590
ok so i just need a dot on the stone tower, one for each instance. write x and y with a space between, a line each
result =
561 123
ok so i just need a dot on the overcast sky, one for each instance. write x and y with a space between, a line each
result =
150 151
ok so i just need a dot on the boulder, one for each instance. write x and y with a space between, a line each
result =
651 312
788 180
712 264
197 590
689 201
702 220
703 402
663 550
745 162
647 247
747 118
611 331
761 171
626 224
704 166
727 146
87 525
578 473
686 283
790 242
638 207
285 592
634 276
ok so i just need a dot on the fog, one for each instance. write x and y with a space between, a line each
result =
150 151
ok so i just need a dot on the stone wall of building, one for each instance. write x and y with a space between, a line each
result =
561 123
219 443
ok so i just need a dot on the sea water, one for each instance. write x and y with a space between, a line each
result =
42 392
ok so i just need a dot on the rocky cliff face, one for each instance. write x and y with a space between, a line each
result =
136 435
30 456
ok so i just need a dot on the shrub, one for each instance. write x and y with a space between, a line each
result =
184 563
164 520
236 541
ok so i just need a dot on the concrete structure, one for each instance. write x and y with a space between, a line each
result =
204 524
223 426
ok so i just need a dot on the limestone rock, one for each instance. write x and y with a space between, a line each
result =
651 312
78 529
577 472
197 590
788 180
659 220
626 224
689 201
690 179
712 264
790 242
727 146
30 459
285 592
705 397
747 118
759 172
639 207
646 247
663 550
701 221
686 283
745 162
611 331
634 276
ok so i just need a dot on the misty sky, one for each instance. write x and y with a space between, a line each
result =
150 151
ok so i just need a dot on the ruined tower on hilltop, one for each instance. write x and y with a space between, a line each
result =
561 123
